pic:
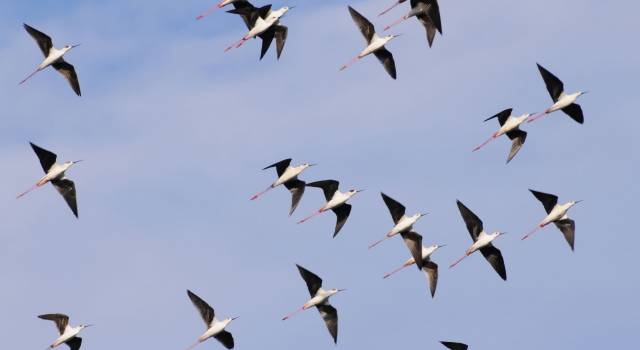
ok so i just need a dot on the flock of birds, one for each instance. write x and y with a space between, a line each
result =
263 22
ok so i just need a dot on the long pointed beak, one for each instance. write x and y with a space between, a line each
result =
359 191
235 318
424 214
89 325
313 164
582 200
441 245
76 161
292 7
341 290
76 45
585 92
397 35
503 233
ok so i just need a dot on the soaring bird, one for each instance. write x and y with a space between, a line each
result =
509 125
562 101
288 176
557 214
336 201
250 15
427 12
214 327
68 334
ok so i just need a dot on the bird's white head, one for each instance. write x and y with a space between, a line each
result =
306 165
67 48
281 11
333 291
391 37
83 326
572 203
419 215
438 246
352 192
499 233
69 163
580 93
229 319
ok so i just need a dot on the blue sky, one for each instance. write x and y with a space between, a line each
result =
174 133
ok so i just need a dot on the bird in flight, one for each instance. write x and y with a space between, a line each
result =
509 125
557 214
68 334
336 202
562 101
288 177
214 327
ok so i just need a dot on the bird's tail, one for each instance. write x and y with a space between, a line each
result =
400 20
390 8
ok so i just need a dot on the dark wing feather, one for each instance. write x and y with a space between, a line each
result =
554 85
205 310
47 158
225 338
74 343
519 137
502 116
342 213
281 38
568 229
69 73
396 209
473 222
280 166
431 270
329 187
386 58
43 40
413 241
366 28
67 190
244 10
61 320
575 112
548 200
296 187
261 12
311 279
494 257
267 38
330 316
454 346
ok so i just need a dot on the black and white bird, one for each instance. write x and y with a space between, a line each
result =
375 44
557 214
55 173
336 201
454 346
250 15
68 334
562 101
413 241
261 21
402 222
215 328
53 57
427 12
509 125
319 300
482 241
288 176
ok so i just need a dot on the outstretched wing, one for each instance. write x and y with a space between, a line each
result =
396 209
205 310
548 200
494 257
431 270
69 73
366 28
329 187
47 158
67 190
225 338
473 222
518 136
502 116
330 316
267 39
554 85
568 229
575 112
43 40
454 346
61 320
342 214
311 279
296 187
280 166
281 38
74 343
413 241
386 58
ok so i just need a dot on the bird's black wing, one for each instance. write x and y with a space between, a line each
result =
502 116
267 39
225 338
396 209
366 28
69 73
568 229
413 241
518 136
554 85
281 38
205 310
330 316
342 214
74 343
67 190
473 222
244 10
261 12
454 346
431 270
575 112
47 158
43 40
494 257
296 187
429 27
311 279
61 320
280 166
329 187
548 200
386 58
